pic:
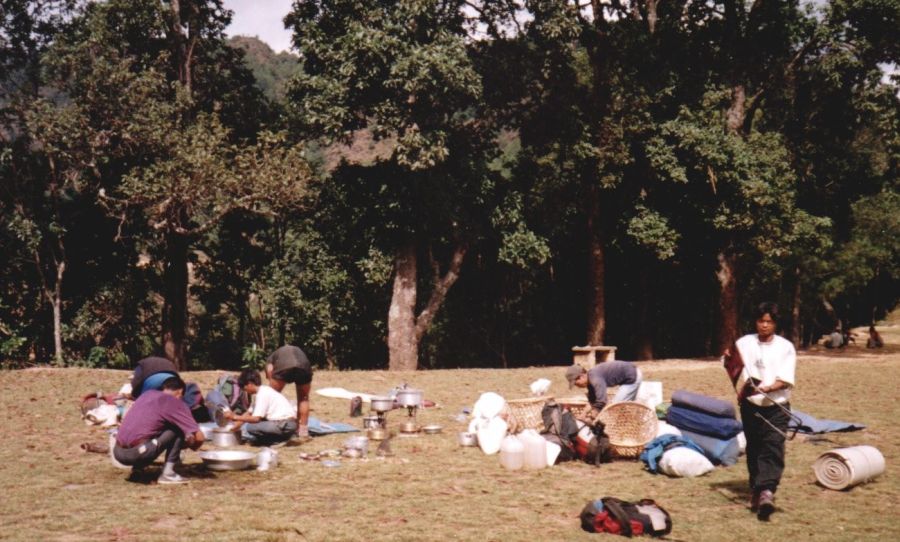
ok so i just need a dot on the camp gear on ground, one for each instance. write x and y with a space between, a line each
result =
356 407
629 426
560 429
317 427
467 439
224 460
512 453
663 428
844 468
655 449
490 434
266 458
526 413
615 516
225 437
703 423
382 403
683 462
535 449
719 451
409 397
804 423
432 429
704 403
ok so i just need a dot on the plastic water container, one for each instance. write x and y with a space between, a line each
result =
535 449
512 453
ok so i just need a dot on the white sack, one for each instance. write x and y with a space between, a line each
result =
540 387
684 462
663 428
490 435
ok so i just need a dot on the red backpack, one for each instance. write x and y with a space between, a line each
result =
615 516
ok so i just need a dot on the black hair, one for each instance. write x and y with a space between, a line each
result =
173 383
249 376
767 307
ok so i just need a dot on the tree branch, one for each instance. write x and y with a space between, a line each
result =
439 293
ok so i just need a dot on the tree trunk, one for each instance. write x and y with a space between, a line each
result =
405 329
57 314
596 322
645 324
795 310
174 317
403 347
728 300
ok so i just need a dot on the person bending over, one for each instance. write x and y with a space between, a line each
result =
272 419
289 364
158 422
624 374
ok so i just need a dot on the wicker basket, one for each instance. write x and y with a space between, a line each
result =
524 414
629 426
578 407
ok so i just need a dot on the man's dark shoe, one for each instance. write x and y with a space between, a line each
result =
766 505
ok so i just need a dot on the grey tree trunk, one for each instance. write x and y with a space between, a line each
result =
403 347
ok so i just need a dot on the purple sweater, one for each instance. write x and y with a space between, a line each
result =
152 413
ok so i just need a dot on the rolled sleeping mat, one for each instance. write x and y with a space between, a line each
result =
704 403
844 468
705 424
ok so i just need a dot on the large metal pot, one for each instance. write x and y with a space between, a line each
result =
225 438
382 403
227 459
409 397
409 426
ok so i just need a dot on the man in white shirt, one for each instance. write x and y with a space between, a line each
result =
769 362
272 419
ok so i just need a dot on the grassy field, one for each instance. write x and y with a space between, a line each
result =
431 489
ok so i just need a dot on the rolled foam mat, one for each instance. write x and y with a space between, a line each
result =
846 467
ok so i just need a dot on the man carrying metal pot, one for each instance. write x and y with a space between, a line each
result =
289 364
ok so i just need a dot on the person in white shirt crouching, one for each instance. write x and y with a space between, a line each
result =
272 419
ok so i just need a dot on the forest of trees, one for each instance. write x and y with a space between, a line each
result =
442 183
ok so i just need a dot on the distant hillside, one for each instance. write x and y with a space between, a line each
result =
272 70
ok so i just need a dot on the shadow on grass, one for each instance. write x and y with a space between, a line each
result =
149 476
736 491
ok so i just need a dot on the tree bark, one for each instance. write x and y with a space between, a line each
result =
405 329
795 309
174 317
403 347
645 324
596 321
57 314
728 300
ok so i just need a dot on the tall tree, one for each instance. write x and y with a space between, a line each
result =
401 69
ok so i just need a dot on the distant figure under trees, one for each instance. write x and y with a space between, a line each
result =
875 340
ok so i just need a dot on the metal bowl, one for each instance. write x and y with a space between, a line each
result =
409 426
432 429
377 434
227 459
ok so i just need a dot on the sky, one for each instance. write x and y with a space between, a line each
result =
260 18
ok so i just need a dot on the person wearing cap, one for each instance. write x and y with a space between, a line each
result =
158 422
289 364
624 374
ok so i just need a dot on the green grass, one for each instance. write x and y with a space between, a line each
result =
432 489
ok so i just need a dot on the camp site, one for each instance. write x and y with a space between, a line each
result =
449 270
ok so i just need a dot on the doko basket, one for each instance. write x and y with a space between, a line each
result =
629 425
524 414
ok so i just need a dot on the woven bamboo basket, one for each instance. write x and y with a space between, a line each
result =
578 407
629 426
524 414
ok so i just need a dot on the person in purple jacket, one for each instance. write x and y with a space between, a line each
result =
158 422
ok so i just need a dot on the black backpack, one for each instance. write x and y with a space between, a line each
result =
560 428
615 516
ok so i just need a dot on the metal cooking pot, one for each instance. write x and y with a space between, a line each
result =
409 426
377 434
409 397
225 438
382 403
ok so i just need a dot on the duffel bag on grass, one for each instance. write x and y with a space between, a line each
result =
615 516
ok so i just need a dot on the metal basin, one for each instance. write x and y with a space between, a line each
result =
382 403
227 459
